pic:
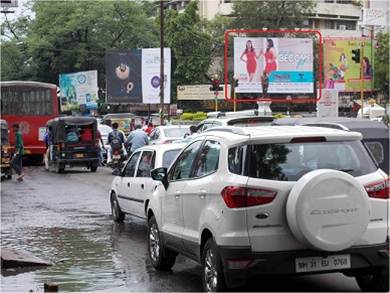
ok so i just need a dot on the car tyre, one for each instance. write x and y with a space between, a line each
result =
161 258
376 281
212 272
117 214
60 168
94 168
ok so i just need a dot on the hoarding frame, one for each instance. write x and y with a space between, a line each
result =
280 99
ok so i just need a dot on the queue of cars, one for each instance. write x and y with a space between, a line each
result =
244 201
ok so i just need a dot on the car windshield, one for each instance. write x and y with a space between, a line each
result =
289 162
169 156
176 132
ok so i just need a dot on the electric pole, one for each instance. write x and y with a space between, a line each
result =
162 60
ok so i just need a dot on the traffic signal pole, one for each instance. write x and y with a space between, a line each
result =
361 75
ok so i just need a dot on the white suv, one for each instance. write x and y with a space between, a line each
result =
272 200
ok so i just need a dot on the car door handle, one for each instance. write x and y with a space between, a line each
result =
128 184
142 186
202 194
177 194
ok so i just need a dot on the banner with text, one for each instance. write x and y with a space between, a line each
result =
285 64
78 88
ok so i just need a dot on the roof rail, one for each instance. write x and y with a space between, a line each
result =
327 125
231 129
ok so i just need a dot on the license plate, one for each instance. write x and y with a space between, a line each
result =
312 264
79 155
116 156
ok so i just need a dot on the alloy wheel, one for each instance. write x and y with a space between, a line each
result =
154 243
210 272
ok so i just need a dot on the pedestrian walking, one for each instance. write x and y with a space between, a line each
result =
16 162
137 139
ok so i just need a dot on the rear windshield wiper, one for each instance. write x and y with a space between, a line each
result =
346 170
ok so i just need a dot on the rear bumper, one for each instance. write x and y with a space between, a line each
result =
78 161
283 262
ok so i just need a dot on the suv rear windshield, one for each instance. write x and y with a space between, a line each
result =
251 121
289 162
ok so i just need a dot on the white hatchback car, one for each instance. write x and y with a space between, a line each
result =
133 184
272 200
168 133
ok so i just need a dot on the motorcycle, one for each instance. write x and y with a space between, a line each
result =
117 159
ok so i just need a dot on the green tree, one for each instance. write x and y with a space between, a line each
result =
69 36
191 45
271 14
381 69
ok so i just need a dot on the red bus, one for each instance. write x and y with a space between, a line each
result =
30 104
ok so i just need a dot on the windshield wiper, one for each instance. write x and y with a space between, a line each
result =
346 170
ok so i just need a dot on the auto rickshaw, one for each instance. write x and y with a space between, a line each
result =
5 165
73 141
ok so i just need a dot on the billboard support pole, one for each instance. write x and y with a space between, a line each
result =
162 61
361 75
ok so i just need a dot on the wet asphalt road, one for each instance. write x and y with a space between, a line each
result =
65 218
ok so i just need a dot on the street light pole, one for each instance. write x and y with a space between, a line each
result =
162 60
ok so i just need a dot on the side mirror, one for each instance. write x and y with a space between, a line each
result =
160 174
117 172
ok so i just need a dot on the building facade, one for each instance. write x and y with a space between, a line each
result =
334 18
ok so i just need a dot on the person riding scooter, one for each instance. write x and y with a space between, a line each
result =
116 140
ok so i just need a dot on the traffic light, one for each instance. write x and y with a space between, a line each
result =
356 55
215 85
235 82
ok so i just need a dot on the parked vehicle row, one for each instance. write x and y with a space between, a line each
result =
244 201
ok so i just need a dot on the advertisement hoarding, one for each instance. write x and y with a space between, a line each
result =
133 76
78 88
286 63
151 75
340 71
375 17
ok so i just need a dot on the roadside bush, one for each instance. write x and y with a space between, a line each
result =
187 116
198 116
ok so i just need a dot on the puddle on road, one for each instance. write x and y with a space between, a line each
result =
100 257
83 258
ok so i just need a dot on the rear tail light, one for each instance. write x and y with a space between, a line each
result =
240 197
378 189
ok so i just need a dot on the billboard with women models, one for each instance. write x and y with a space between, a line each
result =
287 64
340 71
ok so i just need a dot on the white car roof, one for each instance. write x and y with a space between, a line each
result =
173 126
278 134
162 147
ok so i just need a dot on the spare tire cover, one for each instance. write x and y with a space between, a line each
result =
328 210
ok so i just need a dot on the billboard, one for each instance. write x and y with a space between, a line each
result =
340 71
286 64
133 76
375 17
78 88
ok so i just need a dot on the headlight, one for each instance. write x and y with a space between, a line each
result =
63 155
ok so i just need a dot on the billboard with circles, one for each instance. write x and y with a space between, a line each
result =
133 76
